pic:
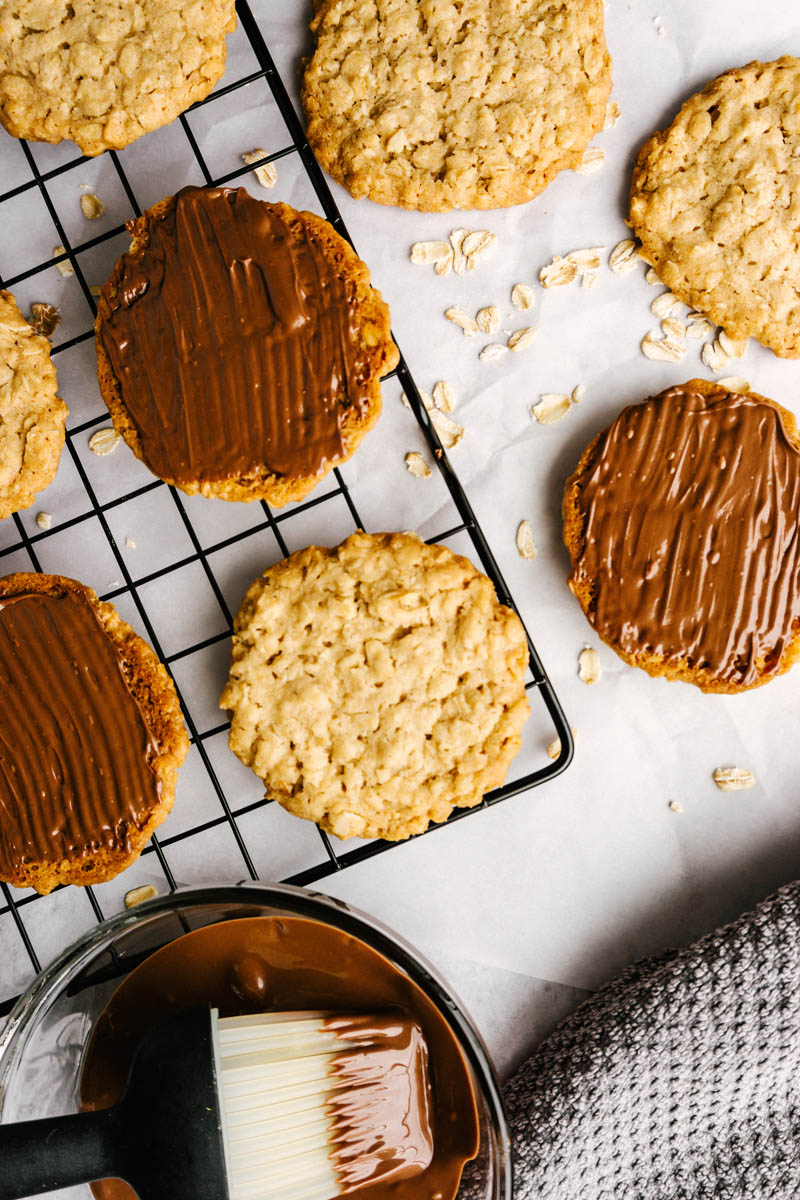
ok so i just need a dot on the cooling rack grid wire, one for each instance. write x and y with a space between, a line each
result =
182 579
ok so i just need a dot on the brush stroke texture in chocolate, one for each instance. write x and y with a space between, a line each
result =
234 345
75 747
691 518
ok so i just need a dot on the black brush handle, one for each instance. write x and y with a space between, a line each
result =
57 1152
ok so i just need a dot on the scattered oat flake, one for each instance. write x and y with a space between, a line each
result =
651 277
662 349
675 807
91 206
733 779
443 396
552 407
130 543
522 297
44 318
558 272
714 357
589 279
104 441
427 399
663 305
578 393
589 669
671 327
467 324
734 383
488 318
699 327
450 432
423 253
457 242
624 257
554 748
138 895
477 246
612 114
521 338
493 351
416 465
266 174
592 161
735 347
44 520
444 265
586 260
65 268
525 540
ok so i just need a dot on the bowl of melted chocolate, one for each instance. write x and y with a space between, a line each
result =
243 949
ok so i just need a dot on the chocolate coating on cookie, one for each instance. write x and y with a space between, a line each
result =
683 524
83 774
235 341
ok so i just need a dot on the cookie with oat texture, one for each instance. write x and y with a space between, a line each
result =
376 686
32 416
715 202
438 106
104 74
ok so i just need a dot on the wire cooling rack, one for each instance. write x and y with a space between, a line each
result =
198 554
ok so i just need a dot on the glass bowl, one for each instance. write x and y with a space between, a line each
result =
43 1043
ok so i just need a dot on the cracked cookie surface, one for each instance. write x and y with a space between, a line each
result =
32 417
104 74
438 105
715 201
377 685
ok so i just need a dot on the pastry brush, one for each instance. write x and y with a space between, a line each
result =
276 1106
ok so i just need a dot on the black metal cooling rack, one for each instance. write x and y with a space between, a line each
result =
539 684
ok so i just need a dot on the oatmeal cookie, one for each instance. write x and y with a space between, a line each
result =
32 417
437 106
715 201
376 686
682 522
104 74
91 736
240 346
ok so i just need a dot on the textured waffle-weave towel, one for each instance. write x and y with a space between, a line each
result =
678 1081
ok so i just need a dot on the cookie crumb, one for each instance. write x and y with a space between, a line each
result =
416 465
130 543
674 806
44 318
44 520
91 206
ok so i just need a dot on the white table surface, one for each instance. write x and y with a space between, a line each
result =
526 906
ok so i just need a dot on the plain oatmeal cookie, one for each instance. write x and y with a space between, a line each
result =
440 105
715 200
376 686
104 74
32 417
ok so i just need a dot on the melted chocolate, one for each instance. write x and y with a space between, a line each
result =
691 509
234 345
307 965
74 745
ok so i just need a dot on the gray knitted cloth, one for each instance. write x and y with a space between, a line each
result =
679 1080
